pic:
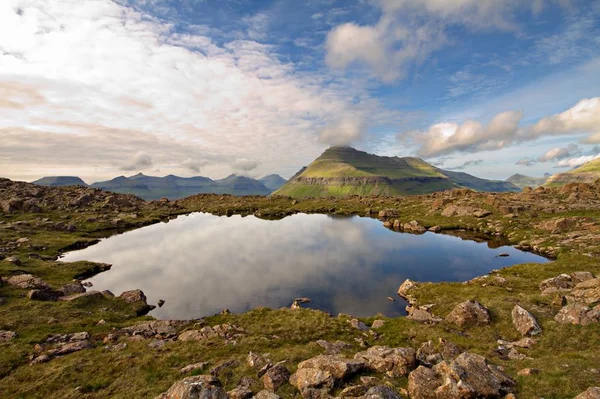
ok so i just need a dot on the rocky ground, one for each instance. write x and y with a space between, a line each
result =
528 331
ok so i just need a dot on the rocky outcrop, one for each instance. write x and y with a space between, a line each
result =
196 387
590 393
159 329
578 314
455 210
563 282
224 331
587 292
395 362
524 321
469 313
469 376
27 281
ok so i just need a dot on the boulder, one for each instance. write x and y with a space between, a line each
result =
133 296
255 360
359 325
338 367
395 362
73 288
353 391
524 321
44 295
240 393
381 392
275 377
28 281
193 367
160 328
88 294
469 313
422 315
378 323
469 376
196 387
590 393
333 348
69 347
405 288
587 292
14 260
455 210
266 394
6 336
311 378
562 282
577 313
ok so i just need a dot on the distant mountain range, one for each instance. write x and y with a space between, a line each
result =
586 173
175 187
523 181
342 171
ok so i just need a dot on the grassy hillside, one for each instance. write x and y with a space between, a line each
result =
523 181
586 173
342 171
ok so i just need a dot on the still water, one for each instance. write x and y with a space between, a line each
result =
201 263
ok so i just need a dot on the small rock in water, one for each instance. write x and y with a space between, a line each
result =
503 255
389 298
302 300
161 302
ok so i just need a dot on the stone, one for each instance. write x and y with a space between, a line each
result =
528 371
240 393
359 325
311 378
28 281
562 282
590 393
133 296
378 323
405 288
435 229
395 362
577 314
338 367
524 321
275 377
75 297
422 315
579 277
266 394
14 260
428 355
255 360
73 288
381 392
333 348
466 377
223 366
44 295
68 348
149 329
196 387
6 336
587 292
469 313
353 391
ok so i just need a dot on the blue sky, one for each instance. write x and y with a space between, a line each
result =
99 88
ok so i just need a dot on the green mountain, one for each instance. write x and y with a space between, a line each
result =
272 182
60 181
523 181
175 187
587 173
341 171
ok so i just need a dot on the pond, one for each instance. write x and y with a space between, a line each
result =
201 263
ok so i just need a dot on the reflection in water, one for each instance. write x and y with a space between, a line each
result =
200 264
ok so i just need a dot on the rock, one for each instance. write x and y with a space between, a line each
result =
302 300
590 393
524 321
196 387
422 315
435 229
395 362
73 288
160 303
156 328
333 348
28 281
275 377
381 392
557 226
468 376
133 296
89 294
353 391
240 393
454 210
156 344
528 371
587 292
68 348
44 295
307 379
14 260
577 313
378 323
223 366
428 355
255 360
579 277
562 282
6 336
338 367
469 313
404 290
358 324
266 394
369 381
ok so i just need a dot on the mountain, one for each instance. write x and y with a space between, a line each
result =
587 173
523 181
175 187
60 181
341 171
272 182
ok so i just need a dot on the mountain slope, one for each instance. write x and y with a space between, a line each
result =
60 181
523 181
175 187
341 171
586 173
272 182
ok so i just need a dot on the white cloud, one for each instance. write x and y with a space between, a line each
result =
244 164
193 165
343 132
526 162
584 117
560 153
575 162
138 161
69 63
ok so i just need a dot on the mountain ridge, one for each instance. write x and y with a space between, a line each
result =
589 172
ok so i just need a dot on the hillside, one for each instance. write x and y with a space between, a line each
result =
341 171
523 181
586 173
60 181
272 182
175 187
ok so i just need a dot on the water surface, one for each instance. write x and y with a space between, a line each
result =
201 263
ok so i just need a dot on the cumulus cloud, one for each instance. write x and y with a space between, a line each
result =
584 117
469 136
343 132
193 165
560 153
138 161
575 162
526 162
244 164
467 164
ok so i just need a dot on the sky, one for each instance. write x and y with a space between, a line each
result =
101 88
